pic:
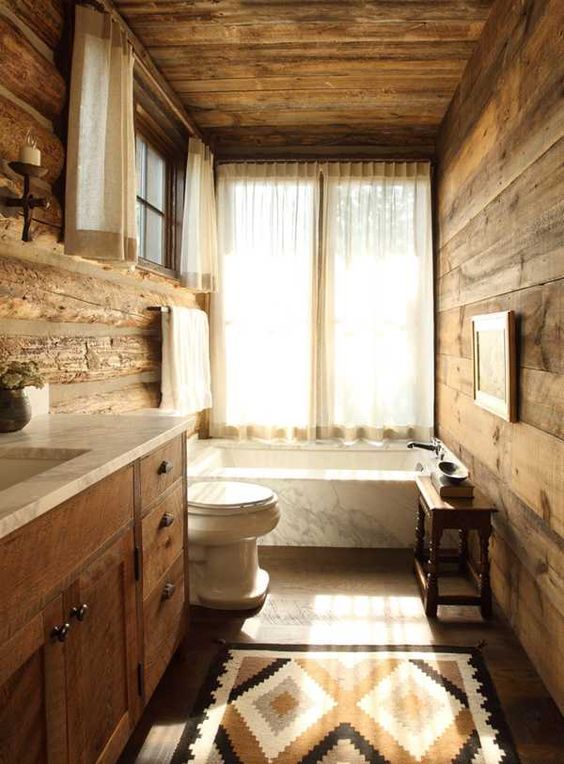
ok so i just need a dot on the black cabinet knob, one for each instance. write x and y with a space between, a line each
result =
60 633
165 467
168 591
167 520
79 612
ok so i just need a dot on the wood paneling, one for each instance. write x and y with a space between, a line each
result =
28 74
500 186
102 656
162 537
44 17
87 325
294 69
32 689
88 328
79 359
160 470
164 623
34 560
15 122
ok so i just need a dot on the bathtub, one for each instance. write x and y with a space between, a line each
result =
329 495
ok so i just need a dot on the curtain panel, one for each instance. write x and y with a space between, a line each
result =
198 260
101 185
323 327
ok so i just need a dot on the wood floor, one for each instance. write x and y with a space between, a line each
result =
346 596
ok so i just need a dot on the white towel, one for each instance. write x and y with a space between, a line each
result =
185 378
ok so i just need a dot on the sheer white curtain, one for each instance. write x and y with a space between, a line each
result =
198 261
100 188
323 326
261 317
375 325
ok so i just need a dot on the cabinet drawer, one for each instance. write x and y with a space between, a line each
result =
164 623
162 537
38 558
160 470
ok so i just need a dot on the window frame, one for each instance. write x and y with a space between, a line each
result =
173 202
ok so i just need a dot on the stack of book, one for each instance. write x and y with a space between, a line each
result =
448 490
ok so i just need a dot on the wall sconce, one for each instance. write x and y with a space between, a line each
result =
28 166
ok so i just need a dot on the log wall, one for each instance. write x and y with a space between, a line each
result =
85 323
500 242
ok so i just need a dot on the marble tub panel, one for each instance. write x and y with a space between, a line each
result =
341 513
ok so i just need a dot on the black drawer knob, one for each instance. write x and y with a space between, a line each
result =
167 520
168 591
165 467
79 612
60 633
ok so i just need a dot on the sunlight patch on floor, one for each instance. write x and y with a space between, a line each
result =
341 619
159 742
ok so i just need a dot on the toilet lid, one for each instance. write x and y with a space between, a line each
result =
226 495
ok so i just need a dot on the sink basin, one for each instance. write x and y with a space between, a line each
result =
19 464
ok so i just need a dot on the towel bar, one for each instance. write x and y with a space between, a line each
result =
162 308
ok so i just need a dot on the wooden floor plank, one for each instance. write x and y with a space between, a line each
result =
340 596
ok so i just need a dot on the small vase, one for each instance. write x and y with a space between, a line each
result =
15 410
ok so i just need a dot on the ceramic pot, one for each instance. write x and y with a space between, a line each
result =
15 410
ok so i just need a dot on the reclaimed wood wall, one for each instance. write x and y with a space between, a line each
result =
85 323
500 222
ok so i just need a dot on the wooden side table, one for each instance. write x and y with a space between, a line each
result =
463 515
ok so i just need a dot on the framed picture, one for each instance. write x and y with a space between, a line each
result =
494 363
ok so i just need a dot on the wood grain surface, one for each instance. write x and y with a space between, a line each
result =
500 191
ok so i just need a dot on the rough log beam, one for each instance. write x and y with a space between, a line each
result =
44 17
27 74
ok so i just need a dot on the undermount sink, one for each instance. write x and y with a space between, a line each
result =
19 464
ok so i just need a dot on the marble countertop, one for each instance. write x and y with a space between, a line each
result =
97 444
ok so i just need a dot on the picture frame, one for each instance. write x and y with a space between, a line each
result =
494 367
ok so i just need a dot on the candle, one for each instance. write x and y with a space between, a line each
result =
29 153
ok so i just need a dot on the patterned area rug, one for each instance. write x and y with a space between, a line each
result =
286 704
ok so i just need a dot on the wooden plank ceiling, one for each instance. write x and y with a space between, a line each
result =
328 78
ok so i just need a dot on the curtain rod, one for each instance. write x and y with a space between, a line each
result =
147 69
324 161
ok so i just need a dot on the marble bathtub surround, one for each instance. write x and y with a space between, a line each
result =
98 444
332 506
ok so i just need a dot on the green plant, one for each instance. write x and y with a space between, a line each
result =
16 375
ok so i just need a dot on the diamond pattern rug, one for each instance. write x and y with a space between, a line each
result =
292 704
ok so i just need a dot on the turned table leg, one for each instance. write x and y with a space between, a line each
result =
463 550
431 600
420 533
485 585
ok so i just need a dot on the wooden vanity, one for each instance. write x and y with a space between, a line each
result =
93 604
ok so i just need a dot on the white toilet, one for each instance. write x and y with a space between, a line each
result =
225 519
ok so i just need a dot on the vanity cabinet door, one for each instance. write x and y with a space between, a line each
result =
102 692
32 691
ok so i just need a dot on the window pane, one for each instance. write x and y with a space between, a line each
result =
140 229
154 249
268 253
155 179
141 165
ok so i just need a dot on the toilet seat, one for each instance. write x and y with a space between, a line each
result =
222 497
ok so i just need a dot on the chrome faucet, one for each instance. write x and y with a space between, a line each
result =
435 445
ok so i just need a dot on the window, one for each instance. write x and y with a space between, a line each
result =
159 207
323 326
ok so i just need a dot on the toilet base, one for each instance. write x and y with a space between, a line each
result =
250 601
227 577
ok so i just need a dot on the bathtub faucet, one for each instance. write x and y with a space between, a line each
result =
434 445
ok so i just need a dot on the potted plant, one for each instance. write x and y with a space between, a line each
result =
15 408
